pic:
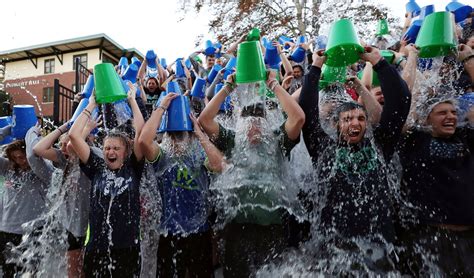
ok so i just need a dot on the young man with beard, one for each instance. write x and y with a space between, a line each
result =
351 168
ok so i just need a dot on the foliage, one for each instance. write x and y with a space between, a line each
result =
228 20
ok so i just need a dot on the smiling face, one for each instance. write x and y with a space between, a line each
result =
443 120
152 84
377 92
210 61
115 152
352 125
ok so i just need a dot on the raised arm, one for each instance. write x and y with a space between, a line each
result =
367 99
309 101
208 115
215 158
75 133
5 131
44 148
210 90
148 146
397 101
296 116
40 167
409 71
138 121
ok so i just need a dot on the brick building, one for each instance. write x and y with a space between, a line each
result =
29 72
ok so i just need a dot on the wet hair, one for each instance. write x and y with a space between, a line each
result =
18 145
347 106
178 135
123 138
298 66
254 110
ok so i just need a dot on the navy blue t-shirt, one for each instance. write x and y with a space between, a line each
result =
115 203
184 187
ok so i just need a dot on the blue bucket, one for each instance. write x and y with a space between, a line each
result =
179 68
213 73
151 58
425 64
460 11
163 63
131 73
231 64
298 55
426 11
321 42
82 105
88 87
413 30
5 121
271 56
301 39
284 39
123 64
136 62
188 64
266 42
209 48
24 117
177 117
199 88
226 104
173 87
125 87
413 8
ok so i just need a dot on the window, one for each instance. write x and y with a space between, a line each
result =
82 60
49 66
48 94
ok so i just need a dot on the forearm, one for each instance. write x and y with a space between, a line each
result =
138 121
43 147
373 107
210 90
367 75
409 71
215 157
207 116
296 116
396 95
75 133
145 140
309 96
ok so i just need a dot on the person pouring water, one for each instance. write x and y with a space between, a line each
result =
114 218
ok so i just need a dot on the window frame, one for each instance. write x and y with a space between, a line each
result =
49 64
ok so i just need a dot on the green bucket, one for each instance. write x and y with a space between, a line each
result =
331 75
382 28
253 35
437 35
343 47
388 55
108 85
250 64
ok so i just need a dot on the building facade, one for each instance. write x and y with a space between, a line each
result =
29 73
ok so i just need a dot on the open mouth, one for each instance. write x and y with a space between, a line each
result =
353 132
449 124
111 159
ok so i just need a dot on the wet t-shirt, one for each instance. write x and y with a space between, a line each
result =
184 186
114 217
259 182
76 187
23 199
358 202
438 176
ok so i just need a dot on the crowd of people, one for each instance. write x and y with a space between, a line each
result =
414 128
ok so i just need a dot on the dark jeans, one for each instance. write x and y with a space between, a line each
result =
247 247
180 255
430 249
9 269
124 262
